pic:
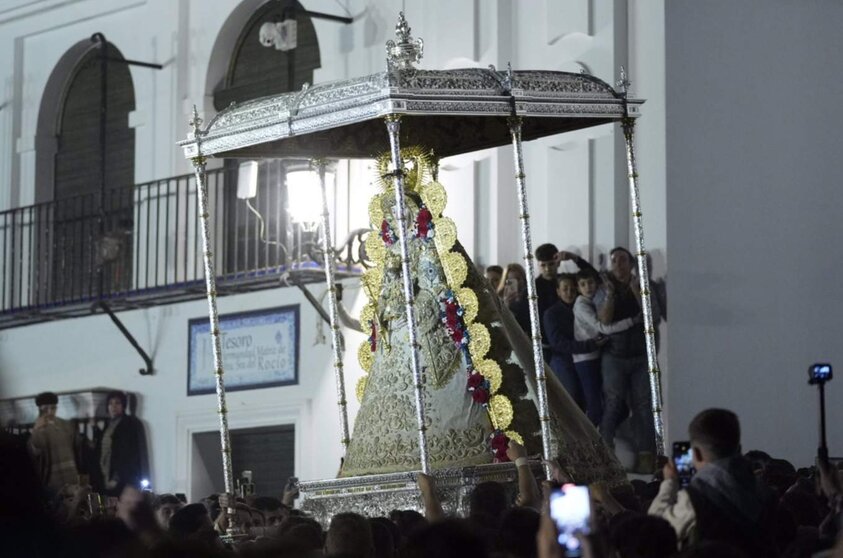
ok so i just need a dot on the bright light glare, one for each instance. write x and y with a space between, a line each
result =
304 198
144 483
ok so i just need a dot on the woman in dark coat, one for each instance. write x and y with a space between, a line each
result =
121 448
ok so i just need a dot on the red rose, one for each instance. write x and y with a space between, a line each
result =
386 233
475 381
423 222
480 396
500 440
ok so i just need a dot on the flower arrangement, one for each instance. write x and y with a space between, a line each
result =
423 227
387 234
499 442
373 336
452 316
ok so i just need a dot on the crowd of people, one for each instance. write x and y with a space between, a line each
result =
113 459
734 506
593 339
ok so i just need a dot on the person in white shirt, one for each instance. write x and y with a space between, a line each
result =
588 327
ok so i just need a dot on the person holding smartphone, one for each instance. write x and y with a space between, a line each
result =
53 444
724 500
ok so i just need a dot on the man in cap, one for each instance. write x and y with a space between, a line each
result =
53 444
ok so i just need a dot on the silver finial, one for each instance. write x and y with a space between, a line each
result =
195 122
624 82
406 51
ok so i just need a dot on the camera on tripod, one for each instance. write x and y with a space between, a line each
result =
819 373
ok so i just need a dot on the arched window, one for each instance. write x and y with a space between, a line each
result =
257 71
75 156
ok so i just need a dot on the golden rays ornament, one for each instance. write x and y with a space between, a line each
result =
435 197
446 234
455 268
468 300
365 356
479 341
501 409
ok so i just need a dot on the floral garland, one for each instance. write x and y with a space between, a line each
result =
373 336
387 234
499 443
423 227
451 314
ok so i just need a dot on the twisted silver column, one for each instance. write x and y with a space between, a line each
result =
211 289
393 126
628 125
330 274
532 299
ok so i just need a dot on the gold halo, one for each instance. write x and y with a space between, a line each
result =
445 235
501 409
376 211
514 436
365 356
422 165
361 387
490 370
469 303
435 197
375 250
366 316
479 341
455 268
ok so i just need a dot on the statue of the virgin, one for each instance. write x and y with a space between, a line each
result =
478 372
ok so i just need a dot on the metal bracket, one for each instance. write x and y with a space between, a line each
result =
309 296
146 358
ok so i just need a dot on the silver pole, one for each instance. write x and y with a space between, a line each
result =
628 124
211 289
393 126
532 300
330 274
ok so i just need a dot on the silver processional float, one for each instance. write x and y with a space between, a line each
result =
454 112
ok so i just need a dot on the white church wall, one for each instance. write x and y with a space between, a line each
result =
572 184
91 352
753 216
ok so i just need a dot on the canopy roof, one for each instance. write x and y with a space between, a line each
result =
452 111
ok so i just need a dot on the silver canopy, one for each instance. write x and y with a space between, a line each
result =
451 111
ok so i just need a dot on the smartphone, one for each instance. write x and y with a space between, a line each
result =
570 510
820 373
683 460
95 505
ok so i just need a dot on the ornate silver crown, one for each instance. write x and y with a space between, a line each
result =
403 54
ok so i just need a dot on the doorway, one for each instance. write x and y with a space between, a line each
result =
269 452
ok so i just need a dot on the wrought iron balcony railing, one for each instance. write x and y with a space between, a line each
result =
143 247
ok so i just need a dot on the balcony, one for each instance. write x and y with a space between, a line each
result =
142 246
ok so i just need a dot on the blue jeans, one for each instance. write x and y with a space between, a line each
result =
627 380
567 374
591 382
